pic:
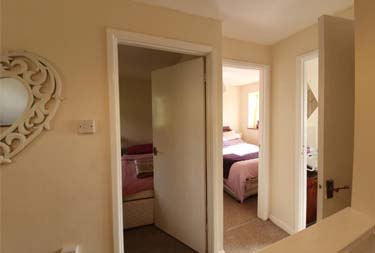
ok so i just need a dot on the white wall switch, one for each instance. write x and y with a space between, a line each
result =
87 127
70 249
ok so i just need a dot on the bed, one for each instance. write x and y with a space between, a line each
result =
240 166
137 192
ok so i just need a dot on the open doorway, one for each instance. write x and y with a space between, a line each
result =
149 81
245 159
324 124
310 80
308 153
179 148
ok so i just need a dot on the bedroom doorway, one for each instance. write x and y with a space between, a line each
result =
176 77
245 158
152 84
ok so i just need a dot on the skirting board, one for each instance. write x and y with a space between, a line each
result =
281 224
221 251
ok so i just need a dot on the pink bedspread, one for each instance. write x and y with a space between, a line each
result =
239 173
130 183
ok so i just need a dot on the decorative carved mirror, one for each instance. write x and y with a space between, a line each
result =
30 94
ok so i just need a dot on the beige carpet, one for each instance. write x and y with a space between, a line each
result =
150 239
243 231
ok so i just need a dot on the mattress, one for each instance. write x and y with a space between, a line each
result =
243 177
235 151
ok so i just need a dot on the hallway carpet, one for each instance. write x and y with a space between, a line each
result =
150 239
244 232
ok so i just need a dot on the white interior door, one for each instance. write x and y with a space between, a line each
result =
178 114
336 111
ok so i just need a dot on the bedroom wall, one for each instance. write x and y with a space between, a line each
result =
231 107
135 111
58 190
283 93
234 49
249 135
363 197
135 68
235 110
246 51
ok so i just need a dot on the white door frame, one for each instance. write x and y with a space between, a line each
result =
264 133
301 142
213 124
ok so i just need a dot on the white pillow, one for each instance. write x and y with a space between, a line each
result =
231 135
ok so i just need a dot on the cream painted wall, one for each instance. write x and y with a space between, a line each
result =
231 107
246 51
283 108
249 135
235 110
363 197
58 190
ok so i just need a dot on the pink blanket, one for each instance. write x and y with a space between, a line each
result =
239 173
130 183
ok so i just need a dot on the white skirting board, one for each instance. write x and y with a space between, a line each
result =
281 224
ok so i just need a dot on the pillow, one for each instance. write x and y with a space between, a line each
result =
140 149
226 129
231 135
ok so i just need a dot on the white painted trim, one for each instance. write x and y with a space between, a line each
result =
214 145
115 141
264 155
281 224
160 43
244 64
301 143
264 133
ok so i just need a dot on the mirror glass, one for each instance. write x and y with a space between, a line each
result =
13 100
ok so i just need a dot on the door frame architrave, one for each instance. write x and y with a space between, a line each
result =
115 38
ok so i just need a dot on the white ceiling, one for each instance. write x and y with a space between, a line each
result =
261 21
239 76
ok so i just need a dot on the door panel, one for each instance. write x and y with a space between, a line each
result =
178 111
336 111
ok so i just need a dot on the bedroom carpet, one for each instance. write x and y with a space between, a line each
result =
243 231
150 239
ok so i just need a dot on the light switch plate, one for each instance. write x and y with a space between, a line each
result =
70 249
87 127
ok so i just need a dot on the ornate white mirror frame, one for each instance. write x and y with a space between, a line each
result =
43 85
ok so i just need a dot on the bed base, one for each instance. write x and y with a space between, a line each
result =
138 210
251 189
